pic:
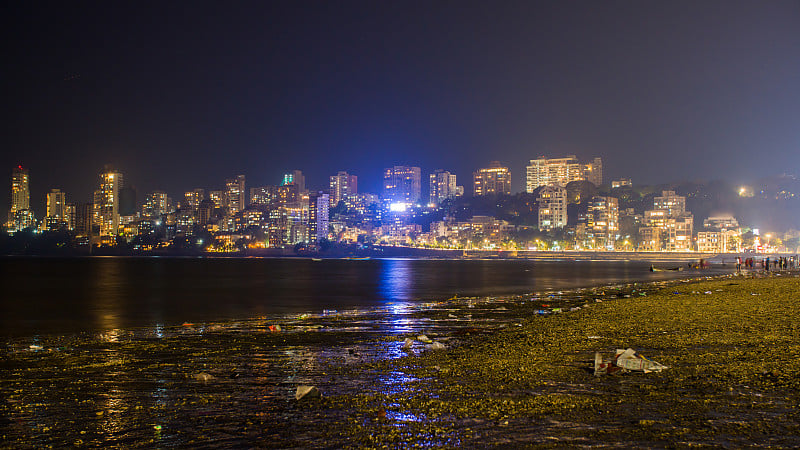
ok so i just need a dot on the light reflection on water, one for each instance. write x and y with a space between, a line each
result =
396 279
118 368
93 294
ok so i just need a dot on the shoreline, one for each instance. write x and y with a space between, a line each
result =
532 383
390 252
509 375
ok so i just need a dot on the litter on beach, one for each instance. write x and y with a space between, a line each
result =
424 339
306 392
624 361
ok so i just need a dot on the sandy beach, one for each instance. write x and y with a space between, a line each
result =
476 372
731 345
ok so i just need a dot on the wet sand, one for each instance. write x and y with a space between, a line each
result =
515 370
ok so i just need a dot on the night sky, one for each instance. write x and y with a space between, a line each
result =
179 95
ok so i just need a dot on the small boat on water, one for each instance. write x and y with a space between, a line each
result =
670 269
358 258
316 259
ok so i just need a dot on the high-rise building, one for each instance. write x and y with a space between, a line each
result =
341 185
401 184
204 212
492 180
106 202
288 195
218 197
318 203
603 221
263 196
593 171
70 215
443 186
83 218
156 204
234 191
676 225
552 207
57 216
20 190
560 171
674 205
20 216
192 199
296 178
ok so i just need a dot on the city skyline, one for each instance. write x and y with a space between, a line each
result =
181 98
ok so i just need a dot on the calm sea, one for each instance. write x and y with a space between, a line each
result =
55 295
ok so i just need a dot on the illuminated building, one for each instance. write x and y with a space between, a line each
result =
552 207
296 178
235 194
184 222
288 196
721 222
251 218
443 186
650 239
622 182
679 234
674 205
318 203
22 220
20 190
670 216
402 184
560 171
727 241
192 200
492 180
341 185
70 215
56 216
156 204
263 196
106 203
218 197
20 215
603 222
721 235
297 224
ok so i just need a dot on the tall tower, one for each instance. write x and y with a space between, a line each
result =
603 221
234 190
442 186
56 209
106 202
401 184
192 200
342 184
20 191
317 217
296 178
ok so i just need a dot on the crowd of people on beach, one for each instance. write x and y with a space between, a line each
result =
768 264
